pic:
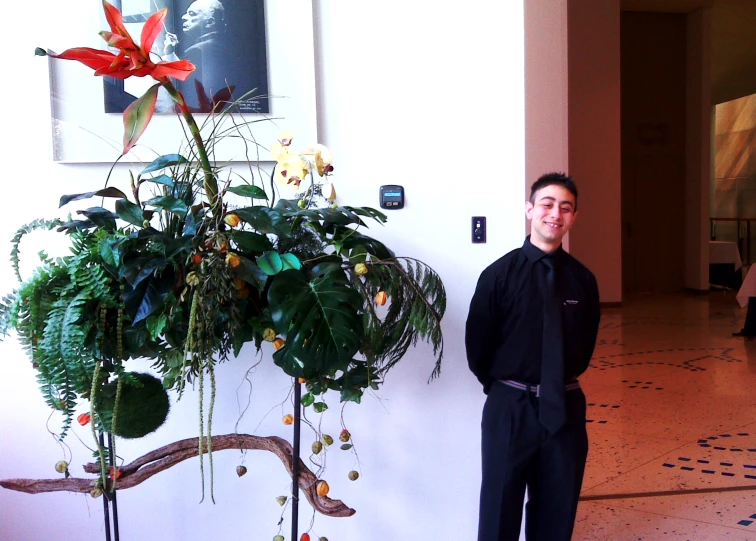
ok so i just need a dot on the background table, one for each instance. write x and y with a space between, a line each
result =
725 264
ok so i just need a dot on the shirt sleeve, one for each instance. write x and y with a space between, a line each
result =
480 329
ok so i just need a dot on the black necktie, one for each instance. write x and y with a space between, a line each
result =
551 412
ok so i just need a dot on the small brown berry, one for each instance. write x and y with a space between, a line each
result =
241 470
345 435
353 475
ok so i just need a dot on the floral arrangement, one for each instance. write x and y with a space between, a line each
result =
176 273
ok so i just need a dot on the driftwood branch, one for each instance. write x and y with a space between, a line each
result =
163 458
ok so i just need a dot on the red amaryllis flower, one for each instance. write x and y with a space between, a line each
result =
131 60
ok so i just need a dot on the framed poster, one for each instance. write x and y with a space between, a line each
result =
264 52
224 39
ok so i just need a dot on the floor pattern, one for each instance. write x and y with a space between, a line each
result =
672 423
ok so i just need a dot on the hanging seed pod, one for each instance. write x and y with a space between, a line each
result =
322 488
380 298
305 537
278 538
288 419
84 419
317 447
95 492
345 435
61 466
353 475
325 438
232 259
269 335
241 470
360 269
278 343
281 500
231 219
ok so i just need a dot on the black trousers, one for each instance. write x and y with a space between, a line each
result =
518 453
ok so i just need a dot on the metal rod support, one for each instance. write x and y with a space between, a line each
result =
295 460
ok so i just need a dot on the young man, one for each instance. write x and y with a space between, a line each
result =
530 333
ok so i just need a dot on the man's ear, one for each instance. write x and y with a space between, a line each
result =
528 210
210 23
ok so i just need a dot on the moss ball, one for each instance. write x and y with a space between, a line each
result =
141 409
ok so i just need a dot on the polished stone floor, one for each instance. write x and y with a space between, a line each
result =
672 423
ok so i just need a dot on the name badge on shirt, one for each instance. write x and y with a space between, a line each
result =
570 301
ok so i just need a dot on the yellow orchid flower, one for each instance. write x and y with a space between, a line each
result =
278 151
290 171
329 191
286 137
321 157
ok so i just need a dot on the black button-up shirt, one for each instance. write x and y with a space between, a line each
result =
504 330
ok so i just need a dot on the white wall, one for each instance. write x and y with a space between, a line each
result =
430 100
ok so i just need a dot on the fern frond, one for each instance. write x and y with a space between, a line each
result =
417 304
16 241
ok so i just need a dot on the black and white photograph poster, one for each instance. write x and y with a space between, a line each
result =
224 39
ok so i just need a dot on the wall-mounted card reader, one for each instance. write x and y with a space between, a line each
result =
392 197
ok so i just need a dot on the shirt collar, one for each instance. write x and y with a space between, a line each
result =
533 253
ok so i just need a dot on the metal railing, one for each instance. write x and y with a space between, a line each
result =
742 234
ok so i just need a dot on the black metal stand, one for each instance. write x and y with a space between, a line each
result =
295 460
109 497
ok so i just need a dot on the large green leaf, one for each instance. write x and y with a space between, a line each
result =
319 317
255 192
149 294
162 162
102 217
176 206
349 239
137 116
129 212
105 192
163 180
251 242
250 272
264 220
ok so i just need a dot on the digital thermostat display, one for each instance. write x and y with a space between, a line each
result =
392 197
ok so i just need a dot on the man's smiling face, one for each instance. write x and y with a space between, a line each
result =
552 214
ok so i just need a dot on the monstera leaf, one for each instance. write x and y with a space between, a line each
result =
319 314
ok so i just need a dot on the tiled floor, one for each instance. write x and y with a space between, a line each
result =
672 423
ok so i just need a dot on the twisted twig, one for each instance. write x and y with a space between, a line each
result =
163 458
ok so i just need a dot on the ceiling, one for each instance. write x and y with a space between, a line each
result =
733 41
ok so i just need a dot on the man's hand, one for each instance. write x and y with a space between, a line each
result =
169 44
